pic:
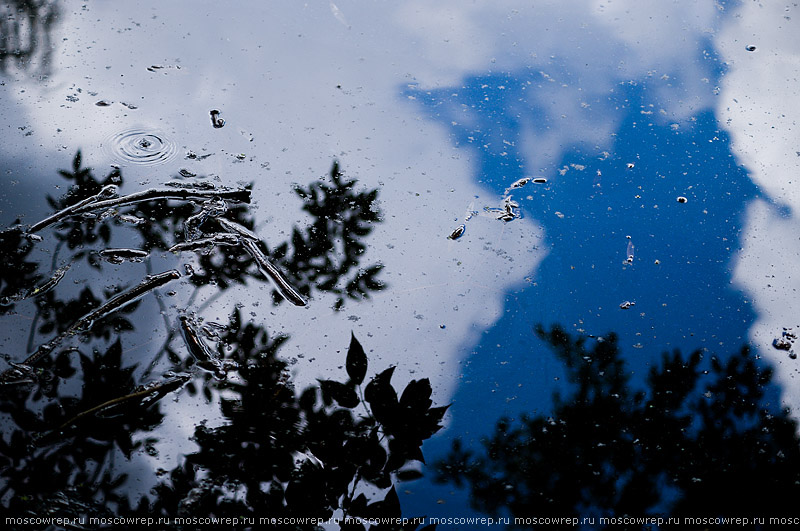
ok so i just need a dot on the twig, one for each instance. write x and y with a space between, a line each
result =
85 323
160 388
100 201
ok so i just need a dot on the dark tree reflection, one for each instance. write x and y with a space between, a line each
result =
77 401
25 33
698 441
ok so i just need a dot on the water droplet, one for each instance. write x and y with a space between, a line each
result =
138 146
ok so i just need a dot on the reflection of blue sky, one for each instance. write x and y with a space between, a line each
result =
681 272
501 91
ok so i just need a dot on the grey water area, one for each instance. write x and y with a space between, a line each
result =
606 168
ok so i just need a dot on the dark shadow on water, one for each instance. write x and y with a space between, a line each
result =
696 441
81 400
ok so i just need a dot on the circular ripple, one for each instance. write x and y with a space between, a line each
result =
137 146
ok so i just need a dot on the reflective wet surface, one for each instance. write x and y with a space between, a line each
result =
366 260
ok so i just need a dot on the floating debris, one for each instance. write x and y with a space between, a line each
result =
133 220
220 238
117 256
145 395
183 172
786 341
202 354
123 299
216 121
626 305
782 343
202 185
682 199
212 208
519 183
212 330
129 105
239 195
232 226
507 212
19 374
280 283
85 323
52 282
106 192
470 212
458 232
629 251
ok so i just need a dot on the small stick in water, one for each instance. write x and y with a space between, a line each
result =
271 272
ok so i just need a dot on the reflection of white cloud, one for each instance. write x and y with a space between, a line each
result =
585 47
759 104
